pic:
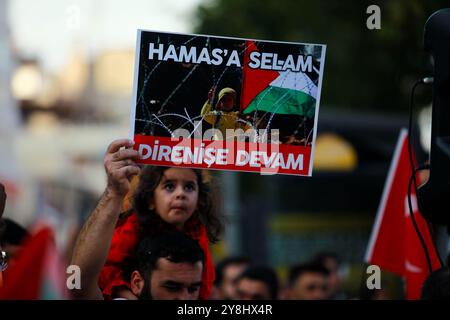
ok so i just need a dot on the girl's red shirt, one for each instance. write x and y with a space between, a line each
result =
122 255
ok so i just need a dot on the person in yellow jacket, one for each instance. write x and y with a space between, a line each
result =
222 117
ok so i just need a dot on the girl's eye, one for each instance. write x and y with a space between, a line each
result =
190 187
169 186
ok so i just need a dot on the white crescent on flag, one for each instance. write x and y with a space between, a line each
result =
412 268
415 207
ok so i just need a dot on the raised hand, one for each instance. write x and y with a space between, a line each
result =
120 166
211 94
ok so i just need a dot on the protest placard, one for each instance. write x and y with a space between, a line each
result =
226 103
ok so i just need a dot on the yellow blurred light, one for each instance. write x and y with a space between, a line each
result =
113 72
42 122
334 153
49 94
74 77
26 82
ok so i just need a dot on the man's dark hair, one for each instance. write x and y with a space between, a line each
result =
264 274
321 257
437 285
13 233
298 270
172 245
225 263
175 246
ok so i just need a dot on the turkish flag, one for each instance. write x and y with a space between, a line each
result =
394 244
37 273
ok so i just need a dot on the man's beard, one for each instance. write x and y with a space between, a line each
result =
146 291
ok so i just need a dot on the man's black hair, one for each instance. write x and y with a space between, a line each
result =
322 256
437 285
298 270
13 233
225 263
175 246
264 274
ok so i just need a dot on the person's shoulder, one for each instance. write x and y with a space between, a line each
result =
129 215
128 220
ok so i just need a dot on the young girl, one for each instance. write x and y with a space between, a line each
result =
222 117
165 198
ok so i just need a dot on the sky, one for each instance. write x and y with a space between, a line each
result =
50 29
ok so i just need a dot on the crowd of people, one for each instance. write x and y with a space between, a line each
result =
238 279
149 238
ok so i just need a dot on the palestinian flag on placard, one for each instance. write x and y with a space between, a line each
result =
284 92
37 272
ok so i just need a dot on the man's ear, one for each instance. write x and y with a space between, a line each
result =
137 283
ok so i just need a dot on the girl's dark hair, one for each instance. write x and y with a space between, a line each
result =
208 207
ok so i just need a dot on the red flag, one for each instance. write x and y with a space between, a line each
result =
254 80
36 272
394 244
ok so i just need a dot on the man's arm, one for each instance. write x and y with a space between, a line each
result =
2 208
2 227
2 199
94 240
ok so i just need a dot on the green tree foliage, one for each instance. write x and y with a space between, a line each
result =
364 69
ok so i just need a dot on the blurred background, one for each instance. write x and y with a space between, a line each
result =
66 78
